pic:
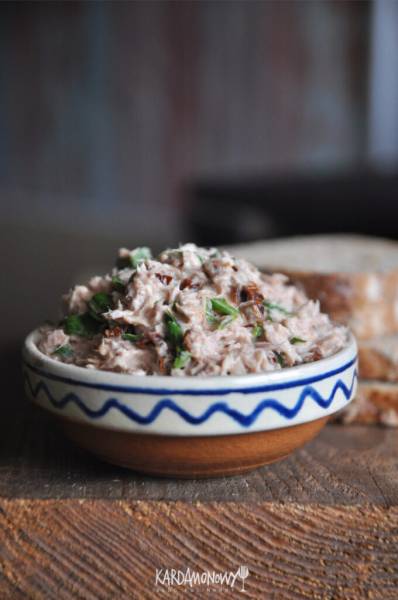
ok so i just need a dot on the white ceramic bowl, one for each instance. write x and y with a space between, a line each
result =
190 407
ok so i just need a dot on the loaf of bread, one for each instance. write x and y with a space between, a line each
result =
376 402
355 278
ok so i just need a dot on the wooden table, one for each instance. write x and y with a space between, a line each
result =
321 524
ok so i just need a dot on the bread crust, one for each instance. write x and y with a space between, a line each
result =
355 278
375 403
365 302
374 363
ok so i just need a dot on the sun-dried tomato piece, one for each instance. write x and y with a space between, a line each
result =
186 283
251 311
165 279
251 292
113 332
316 354
190 284
162 365
234 294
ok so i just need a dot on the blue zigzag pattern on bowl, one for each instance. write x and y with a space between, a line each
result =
223 407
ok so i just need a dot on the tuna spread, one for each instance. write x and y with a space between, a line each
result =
190 311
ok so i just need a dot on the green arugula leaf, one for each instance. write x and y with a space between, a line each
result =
279 358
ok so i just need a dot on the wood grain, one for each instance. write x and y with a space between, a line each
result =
97 550
350 466
321 524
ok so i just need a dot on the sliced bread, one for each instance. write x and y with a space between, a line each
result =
378 358
376 402
355 278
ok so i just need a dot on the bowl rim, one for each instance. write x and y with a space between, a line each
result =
47 366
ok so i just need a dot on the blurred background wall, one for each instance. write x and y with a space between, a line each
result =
156 122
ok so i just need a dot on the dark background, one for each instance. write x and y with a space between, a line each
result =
153 123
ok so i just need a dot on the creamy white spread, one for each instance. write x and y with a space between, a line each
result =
190 311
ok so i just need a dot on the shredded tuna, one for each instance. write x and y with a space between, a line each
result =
190 311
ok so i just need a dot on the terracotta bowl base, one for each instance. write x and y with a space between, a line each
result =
191 457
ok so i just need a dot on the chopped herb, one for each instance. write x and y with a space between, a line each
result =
132 337
118 284
99 303
134 258
226 321
275 306
138 256
257 331
221 306
210 316
182 358
65 351
91 325
174 335
297 340
83 325
215 253
174 330
73 325
280 359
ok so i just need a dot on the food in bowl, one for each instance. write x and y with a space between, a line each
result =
189 311
184 319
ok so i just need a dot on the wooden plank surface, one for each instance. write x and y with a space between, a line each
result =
343 466
321 524
95 550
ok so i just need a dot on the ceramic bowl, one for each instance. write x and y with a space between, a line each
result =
191 426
